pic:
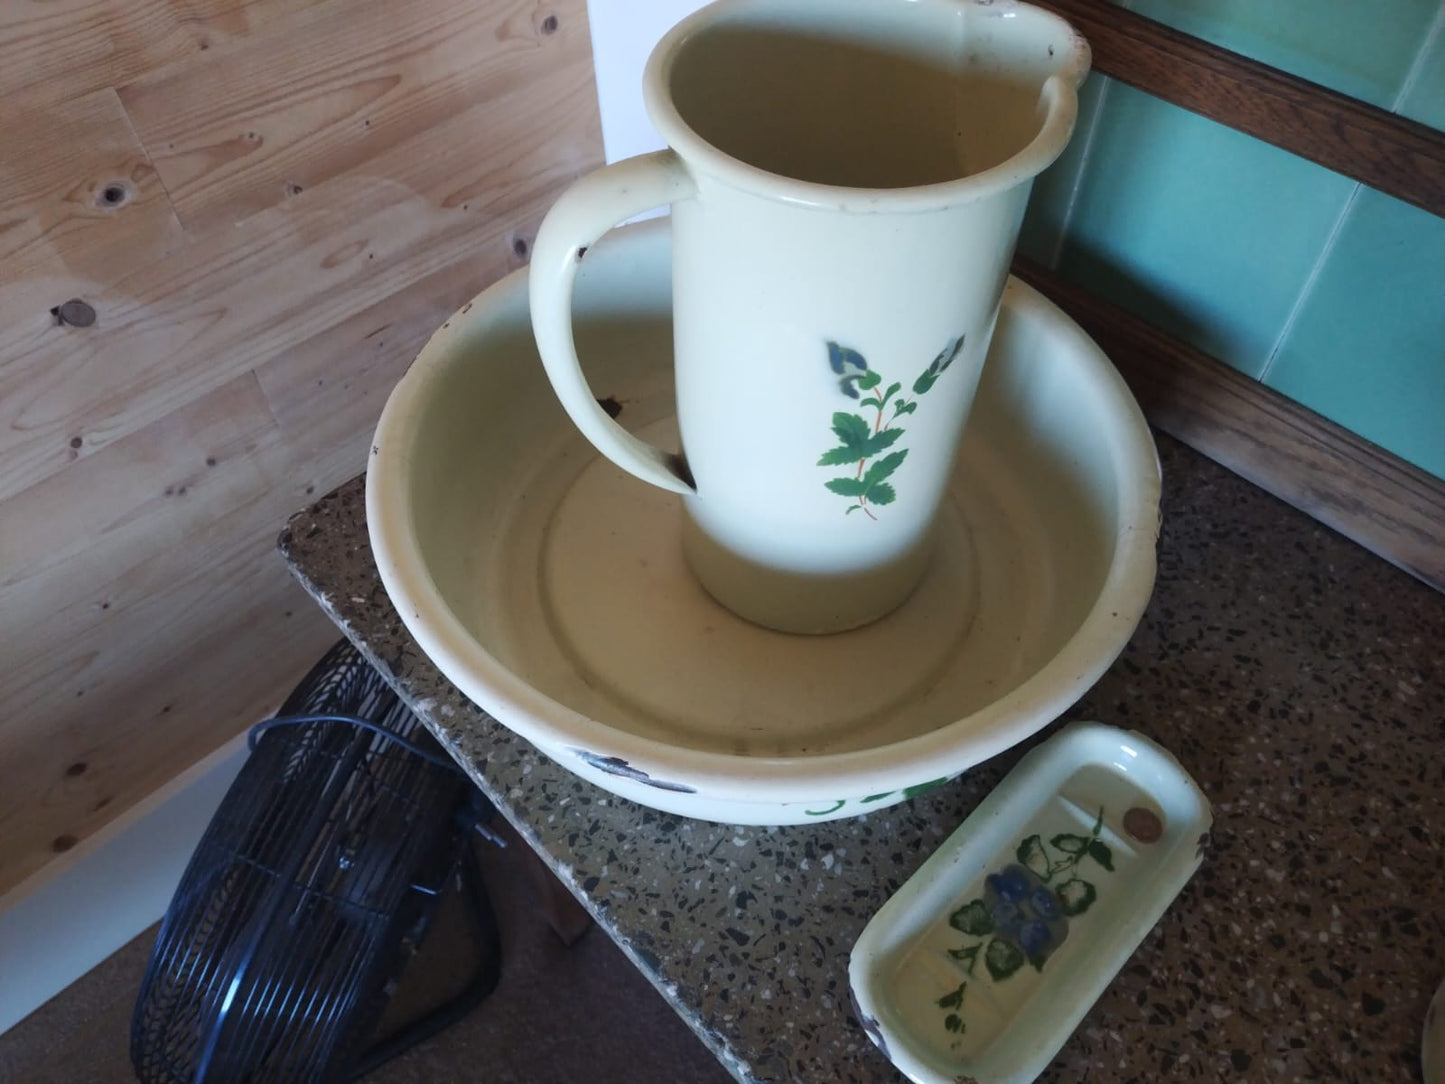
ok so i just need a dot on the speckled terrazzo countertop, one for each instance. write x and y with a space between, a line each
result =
1296 677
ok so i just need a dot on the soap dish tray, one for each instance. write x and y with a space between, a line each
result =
980 967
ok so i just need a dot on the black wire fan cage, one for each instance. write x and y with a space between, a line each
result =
310 892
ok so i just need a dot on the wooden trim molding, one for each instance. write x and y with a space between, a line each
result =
1391 154
1389 506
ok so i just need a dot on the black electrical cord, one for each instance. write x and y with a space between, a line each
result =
366 724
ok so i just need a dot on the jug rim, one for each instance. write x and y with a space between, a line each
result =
1058 104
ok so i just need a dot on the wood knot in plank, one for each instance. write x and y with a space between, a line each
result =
113 195
73 313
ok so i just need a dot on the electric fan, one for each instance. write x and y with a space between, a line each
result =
310 891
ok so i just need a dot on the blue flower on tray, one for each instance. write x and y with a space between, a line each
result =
1024 912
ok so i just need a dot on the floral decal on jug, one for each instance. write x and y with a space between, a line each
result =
862 440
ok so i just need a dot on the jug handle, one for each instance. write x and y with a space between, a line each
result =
587 210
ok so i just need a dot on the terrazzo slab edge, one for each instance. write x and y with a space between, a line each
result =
1295 676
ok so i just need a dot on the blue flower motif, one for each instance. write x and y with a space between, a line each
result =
849 365
1011 883
844 359
1026 912
1006 918
1045 904
1035 939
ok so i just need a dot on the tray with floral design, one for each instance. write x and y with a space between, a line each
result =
980 967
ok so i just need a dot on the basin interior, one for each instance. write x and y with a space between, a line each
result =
567 572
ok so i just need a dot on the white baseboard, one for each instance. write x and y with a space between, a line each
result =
66 919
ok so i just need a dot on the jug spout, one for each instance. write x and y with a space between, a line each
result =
1019 69
1013 36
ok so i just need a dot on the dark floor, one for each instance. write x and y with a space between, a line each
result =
560 1015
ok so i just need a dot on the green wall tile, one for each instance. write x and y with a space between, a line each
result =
1054 188
1368 347
1208 233
1362 49
1424 100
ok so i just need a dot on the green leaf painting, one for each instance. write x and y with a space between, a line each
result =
927 785
862 439
1078 896
972 918
936 367
1002 958
1070 843
882 468
967 956
953 999
1100 853
856 441
911 791
1032 854
1024 914
846 487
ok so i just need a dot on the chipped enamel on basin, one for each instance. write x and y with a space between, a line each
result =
550 588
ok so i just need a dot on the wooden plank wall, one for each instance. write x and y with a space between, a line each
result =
268 205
